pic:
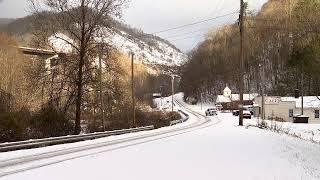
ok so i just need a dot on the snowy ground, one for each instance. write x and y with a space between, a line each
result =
217 149
308 132
164 103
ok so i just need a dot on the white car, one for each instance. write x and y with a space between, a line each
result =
211 112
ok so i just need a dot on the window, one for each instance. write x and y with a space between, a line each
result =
316 114
290 112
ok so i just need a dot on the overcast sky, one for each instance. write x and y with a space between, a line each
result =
156 15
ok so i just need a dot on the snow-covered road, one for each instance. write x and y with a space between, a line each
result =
217 149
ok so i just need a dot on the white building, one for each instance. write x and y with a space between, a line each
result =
287 107
228 97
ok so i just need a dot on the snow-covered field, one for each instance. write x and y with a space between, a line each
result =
218 149
165 104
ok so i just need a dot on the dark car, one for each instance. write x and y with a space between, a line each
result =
247 114
249 108
236 113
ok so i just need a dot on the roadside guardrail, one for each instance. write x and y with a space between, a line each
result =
182 120
36 143
12 146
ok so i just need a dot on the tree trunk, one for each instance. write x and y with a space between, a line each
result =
77 128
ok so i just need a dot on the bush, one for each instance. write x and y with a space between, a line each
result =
123 120
158 119
50 122
13 126
6 101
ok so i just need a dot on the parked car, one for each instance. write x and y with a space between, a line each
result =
249 108
236 113
246 114
211 112
219 107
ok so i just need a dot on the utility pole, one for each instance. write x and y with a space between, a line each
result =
172 88
161 97
201 99
132 90
263 90
302 80
241 19
101 93
290 53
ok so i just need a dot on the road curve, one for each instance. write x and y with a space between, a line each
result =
24 163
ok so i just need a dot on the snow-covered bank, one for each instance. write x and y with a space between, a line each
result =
309 132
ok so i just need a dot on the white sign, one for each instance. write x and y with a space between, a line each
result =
272 100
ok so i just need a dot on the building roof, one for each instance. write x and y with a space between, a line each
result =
308 101
235 97
223 99
246 97
227 89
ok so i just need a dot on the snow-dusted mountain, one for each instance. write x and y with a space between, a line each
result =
157 52
149 49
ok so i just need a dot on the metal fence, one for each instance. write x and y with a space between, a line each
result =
12 146
182 120
4 147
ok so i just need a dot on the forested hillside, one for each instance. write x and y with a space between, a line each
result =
282 53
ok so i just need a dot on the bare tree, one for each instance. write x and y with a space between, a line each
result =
81 21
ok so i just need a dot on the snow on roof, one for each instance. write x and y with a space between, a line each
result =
227 89
235 97
308 101
299 115
246 97
222 99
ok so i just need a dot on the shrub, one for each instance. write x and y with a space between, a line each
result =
6 101
123 120
158 119
50 122
13 126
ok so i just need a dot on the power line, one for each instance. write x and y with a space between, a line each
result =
189 37
216 12
195 23
230 21
187 33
